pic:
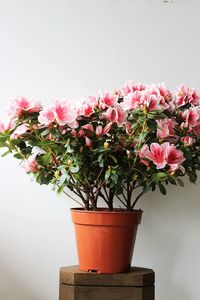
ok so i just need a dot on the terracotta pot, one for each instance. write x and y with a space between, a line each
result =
105 240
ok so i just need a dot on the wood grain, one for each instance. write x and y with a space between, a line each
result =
68 292
137 277
79 285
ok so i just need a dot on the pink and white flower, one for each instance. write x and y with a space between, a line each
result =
174 157
19 131
107 99
22 105
46 116
162 155
88 127
190 117
144 151
31 165
62 113
100 130
87 106
187 141
115 115
88 142
186 95
166 128
130 87
133 100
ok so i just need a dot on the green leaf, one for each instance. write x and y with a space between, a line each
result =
151 125
160 176
146 186
113 158
60 189
47 158
45 132
114 177
5 153
107 174
162 189
18 156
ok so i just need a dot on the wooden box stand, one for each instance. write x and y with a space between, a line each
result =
79 285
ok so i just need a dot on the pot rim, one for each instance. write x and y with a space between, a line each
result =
104 210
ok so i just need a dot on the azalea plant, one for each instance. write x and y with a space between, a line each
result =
111 146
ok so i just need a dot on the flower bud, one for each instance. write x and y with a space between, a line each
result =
57 174
145 110
69 162
128 154
106 145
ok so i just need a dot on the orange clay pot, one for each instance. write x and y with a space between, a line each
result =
105 239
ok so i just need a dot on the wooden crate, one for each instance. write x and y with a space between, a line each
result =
79 285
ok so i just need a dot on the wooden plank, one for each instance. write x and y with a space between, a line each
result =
68 292
137 277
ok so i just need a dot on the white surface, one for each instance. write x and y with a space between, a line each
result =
72 49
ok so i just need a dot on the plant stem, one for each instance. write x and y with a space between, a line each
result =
136 199
73 198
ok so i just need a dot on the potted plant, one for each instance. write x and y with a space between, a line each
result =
112 147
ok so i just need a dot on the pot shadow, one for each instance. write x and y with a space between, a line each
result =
165 229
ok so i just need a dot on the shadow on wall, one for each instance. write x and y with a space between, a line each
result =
167 238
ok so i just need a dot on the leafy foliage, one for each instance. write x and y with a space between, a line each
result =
107 149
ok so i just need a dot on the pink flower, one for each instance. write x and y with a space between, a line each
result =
88 127
130 87
154 102
128 127
19 131
174 157
157 154
88 142
31 165
5 126
166 128
86 110
87 106
133 100
115 115
107 128
187 141
164 92
190 117
103 131
62 113
195 98
46 116
182 95
144 151
99 130
21 105
162 155
107 99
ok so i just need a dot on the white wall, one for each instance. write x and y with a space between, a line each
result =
71 49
